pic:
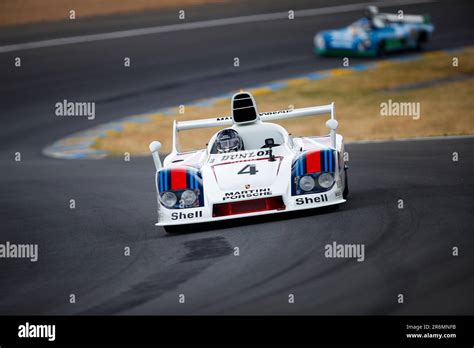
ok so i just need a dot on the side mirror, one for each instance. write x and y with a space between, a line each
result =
270 142
155 147
332 124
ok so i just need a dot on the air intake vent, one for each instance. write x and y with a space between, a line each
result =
244 109
249 206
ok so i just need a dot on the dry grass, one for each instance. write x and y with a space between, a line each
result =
16 12
446 108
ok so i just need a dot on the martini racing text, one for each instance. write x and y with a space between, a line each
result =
254 193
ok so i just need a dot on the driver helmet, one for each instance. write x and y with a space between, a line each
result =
229 140
371 12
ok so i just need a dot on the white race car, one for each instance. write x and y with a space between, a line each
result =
252 167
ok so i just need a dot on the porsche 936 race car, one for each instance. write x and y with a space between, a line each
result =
375 34
250 167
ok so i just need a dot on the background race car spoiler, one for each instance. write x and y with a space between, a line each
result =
405 18
226 121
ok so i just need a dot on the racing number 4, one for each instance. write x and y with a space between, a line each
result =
252 169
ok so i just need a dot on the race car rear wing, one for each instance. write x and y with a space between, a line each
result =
412 19
226 121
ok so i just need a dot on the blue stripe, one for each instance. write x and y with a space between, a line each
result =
191 181
327 160
333 167
333 159
362 67
302 165
324 161
165 174
276 85
204 103
330 160
317 75
160 181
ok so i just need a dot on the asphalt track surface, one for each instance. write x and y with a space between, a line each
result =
81 251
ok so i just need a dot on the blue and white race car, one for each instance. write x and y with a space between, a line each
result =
375 34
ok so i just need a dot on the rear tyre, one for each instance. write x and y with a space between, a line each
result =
421 40
381 51
345 193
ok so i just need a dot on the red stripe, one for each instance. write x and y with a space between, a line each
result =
313 162
178 179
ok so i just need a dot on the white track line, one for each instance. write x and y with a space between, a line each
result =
201 24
